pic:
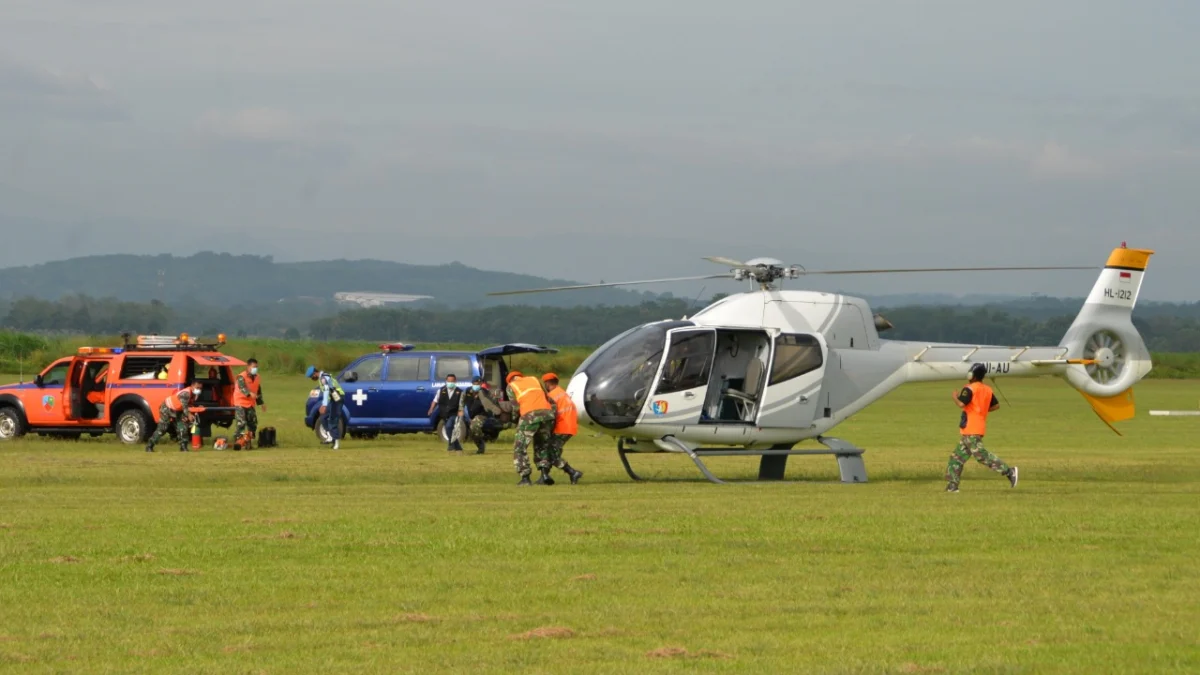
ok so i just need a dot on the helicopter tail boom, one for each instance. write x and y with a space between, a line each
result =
1101 355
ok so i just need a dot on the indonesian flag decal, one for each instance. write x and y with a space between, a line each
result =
1126 277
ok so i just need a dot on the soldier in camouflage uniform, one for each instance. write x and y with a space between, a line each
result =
174 410
566 425
484 411
535 425
976 401
248 395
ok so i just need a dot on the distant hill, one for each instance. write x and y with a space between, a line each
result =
220 278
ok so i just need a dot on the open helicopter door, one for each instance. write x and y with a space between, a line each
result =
682 384
793 395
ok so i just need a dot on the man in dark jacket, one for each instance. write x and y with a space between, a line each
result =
483 411
449 405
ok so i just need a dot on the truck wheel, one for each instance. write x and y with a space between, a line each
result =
322 434
133 427
11 425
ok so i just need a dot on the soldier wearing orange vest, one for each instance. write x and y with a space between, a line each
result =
976 401
176 409
246 396
566 425
535 425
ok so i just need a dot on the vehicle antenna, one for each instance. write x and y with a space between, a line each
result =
696 302
997 388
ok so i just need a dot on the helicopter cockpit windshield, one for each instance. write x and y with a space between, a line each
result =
621 374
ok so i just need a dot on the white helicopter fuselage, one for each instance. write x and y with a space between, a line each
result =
771 368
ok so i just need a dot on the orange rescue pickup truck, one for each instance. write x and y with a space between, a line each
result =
120 389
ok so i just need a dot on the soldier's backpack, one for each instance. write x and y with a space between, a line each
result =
266 437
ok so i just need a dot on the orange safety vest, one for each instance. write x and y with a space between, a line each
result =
173 401
529 394
977 410
240 400
566 422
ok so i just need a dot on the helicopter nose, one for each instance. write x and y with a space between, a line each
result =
575 389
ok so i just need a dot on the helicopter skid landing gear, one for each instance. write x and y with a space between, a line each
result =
625 461
772 462
849 459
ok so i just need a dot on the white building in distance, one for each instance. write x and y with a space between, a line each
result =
376 299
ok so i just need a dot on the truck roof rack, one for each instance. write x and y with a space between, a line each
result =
181 343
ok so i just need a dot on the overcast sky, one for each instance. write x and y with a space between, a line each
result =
610 139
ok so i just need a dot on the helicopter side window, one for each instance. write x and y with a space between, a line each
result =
689 362
795 355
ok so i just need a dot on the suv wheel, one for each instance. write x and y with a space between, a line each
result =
133 427
322 434
11 425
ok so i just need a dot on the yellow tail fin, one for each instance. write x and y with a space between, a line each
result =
1113 408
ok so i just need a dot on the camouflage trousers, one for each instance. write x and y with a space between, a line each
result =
245 418
480 424
552 457
968 447
535 427
167 417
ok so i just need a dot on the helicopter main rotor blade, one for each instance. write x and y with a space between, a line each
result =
943 269
615 283
721 260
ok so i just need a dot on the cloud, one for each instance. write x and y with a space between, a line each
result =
40 91
276 132
1057 161
253 124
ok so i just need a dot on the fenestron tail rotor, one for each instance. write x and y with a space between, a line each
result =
1107 356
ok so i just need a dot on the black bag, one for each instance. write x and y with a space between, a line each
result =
266 437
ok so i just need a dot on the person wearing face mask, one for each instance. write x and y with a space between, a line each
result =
332 398
247 395
176 409
449 405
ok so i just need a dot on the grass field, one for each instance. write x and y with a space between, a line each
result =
390 556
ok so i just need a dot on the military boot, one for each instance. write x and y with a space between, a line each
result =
545 478
149 447
524 481
575 474
183 447
480 447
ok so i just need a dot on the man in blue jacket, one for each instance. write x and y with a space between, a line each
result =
332 396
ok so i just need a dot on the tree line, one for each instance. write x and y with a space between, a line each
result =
1163 330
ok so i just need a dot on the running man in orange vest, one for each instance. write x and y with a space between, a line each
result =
535 426
566 425
976 401
175 410
247 395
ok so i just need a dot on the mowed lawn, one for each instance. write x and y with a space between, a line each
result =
391 556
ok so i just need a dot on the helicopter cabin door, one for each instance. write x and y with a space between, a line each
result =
793 393
682 385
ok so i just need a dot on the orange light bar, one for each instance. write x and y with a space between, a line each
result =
221 339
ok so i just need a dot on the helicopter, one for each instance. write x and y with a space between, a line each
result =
756 373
